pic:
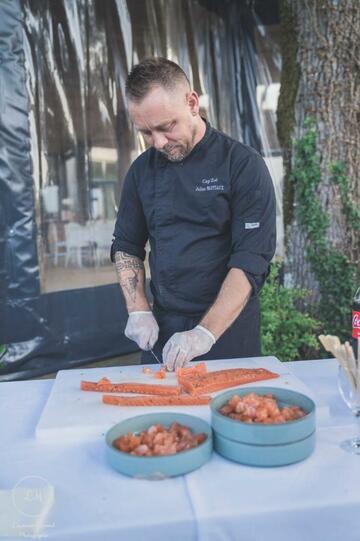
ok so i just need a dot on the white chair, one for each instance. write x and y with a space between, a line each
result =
77 237
102 231
56 247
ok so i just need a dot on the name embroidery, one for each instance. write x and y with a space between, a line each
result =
209 184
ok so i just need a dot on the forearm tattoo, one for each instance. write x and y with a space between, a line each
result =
130 285
125 261
128 268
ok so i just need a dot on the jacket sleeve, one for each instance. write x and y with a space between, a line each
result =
253 220
131 233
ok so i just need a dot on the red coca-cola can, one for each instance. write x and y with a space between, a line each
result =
356 322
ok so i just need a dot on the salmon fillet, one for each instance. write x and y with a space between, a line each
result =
139 388
182 400
222 379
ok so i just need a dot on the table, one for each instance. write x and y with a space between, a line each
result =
315 500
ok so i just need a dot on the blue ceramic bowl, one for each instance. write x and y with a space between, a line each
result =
256 444
158 467
264 455
260 434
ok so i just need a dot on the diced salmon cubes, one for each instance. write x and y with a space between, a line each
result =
158 440
253 408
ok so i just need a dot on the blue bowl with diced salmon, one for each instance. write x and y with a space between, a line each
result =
263 426
159 445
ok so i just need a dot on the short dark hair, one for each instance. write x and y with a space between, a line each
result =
152 72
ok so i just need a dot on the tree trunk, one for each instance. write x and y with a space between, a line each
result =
321 51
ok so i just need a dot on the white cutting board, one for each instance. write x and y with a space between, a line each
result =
75 415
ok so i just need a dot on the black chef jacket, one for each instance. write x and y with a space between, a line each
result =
210 212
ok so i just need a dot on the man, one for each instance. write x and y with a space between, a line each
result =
206 203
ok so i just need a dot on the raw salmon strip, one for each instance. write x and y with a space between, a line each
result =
183 400
140 388
222 379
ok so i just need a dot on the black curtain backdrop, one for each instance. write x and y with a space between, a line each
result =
62 72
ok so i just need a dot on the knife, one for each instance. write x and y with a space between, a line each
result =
155 356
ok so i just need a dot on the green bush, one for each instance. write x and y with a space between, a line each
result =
286 332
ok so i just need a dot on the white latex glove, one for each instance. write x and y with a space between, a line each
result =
142 327
184 346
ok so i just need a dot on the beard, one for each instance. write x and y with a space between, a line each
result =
177 152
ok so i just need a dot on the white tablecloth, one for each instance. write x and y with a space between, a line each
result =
315 500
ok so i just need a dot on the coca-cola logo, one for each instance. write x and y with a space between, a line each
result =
356 320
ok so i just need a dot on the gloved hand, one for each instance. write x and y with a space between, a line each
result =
184 346
142 327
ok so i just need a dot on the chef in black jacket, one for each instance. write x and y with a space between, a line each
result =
206 204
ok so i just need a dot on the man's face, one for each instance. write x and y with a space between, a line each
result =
166 120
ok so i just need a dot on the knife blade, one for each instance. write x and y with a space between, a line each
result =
155 356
